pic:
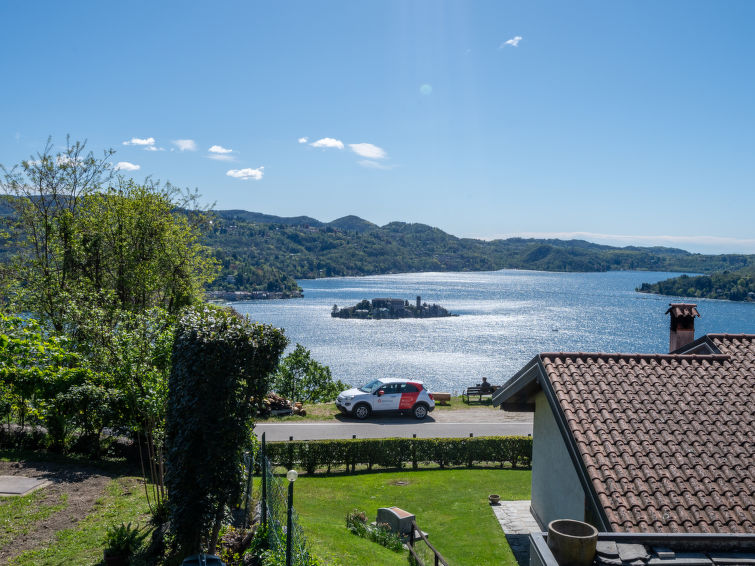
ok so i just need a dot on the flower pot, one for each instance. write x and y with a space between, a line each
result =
494 499
572 542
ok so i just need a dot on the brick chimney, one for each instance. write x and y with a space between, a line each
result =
682 330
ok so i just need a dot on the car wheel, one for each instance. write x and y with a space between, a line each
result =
419 411
361 411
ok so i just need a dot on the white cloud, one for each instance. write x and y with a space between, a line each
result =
369 164
246 174
328 142
185 145
221 157
303 140
126 166
140 141
513 42
219 149
65 160
368 150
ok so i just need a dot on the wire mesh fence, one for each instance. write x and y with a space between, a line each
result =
274 502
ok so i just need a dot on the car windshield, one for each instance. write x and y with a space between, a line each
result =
372 386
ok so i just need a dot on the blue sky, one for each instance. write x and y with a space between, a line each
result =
619 122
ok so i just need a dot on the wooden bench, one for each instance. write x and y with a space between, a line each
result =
479 392
442 398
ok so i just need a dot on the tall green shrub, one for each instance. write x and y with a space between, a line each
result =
300 378
221 364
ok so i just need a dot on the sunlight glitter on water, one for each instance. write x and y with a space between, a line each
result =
506 318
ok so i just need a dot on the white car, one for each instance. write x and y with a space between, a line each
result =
386 395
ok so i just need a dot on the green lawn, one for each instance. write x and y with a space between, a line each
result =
451 505
122 501
18 515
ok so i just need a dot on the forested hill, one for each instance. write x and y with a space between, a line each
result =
265 252
737 285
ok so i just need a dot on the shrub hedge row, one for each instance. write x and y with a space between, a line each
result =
396 452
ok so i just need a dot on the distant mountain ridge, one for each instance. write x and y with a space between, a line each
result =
267 252
349 223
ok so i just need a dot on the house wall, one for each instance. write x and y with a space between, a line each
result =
556 490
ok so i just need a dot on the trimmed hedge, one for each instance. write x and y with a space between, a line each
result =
396 452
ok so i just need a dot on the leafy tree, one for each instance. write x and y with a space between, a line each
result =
301 378
37 371
134 350
108 263
46 193
88 236
221 368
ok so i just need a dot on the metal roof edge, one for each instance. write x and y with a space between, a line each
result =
519 381
695 344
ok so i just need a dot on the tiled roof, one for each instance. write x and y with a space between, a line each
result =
682 309
667 441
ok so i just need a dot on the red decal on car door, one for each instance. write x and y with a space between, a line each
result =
407 400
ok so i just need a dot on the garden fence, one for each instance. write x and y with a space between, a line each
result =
421 552
273 510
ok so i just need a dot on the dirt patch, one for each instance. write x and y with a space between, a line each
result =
399 482
82 486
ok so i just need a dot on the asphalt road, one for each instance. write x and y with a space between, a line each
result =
384 427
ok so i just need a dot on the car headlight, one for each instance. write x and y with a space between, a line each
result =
347 397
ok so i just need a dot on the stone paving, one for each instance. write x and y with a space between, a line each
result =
19 485
517 523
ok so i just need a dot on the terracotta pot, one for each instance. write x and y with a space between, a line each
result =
572 542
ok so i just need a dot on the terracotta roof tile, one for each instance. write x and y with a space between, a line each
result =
682 309
667 440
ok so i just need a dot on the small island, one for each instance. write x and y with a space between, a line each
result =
390 308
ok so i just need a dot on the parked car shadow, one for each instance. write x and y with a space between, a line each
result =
389 419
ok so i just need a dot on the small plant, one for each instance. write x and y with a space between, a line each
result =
160 514
383 535
123 540
356 522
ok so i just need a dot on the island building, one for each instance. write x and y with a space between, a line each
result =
390 308
646 443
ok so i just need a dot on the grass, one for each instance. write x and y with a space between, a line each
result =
122 501
315 412
18 515
451 505
328 411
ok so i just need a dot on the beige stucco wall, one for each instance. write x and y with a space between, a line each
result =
556 490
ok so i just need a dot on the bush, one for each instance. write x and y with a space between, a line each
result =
123 540
300 378
221 364
397 452
356 522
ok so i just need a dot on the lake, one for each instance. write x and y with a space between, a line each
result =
505 318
